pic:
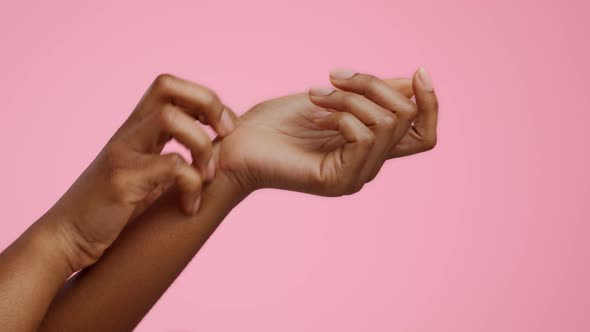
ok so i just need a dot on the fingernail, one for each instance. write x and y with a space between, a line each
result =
155 194
320 91
341 74
196 206
210 170
425 79
226 124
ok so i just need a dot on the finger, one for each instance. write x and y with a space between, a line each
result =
161 170
380 93
384 95
426 121
199 101
403 85
172 122
360 141
364 109
381 121
422 135
151 197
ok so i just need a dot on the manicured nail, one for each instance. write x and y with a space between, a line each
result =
210 170
425 78
341 74
226 124
196 206
320 91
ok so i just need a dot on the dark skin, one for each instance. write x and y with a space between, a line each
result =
329 142
126 177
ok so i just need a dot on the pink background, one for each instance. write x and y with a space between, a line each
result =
488 232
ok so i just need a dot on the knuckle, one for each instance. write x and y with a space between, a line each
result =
112 156
166 116
210 99
388 121
371 86
371 81
408 112
367 138
187 177
173 161
206 148
115 167
119 182
193 180
343 117
202 151
163 82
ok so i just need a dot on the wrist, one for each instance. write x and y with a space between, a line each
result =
49 239
67 241
227 186
231 174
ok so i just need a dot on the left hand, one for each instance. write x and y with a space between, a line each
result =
129 174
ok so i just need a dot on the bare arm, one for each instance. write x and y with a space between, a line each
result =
32 270
280 143
125 178
117 292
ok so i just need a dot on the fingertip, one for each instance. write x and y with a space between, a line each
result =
423 78
210 171
190 204
340 74
226 123
320 91
196 205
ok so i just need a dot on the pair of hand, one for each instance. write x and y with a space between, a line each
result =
329 141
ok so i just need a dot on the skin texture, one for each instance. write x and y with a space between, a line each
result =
129 174
315 155
327 152
124 179
117 292
32 270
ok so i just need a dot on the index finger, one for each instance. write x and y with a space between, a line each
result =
403 85
199 101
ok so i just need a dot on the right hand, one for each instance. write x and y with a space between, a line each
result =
330 142
129 174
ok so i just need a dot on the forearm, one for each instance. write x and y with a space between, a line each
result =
117 292
32 270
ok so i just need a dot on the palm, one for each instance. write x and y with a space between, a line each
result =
277 144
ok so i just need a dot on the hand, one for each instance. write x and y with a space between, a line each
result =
330 142
129 174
